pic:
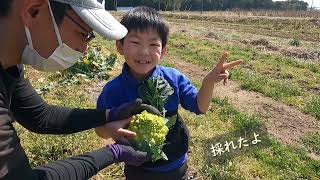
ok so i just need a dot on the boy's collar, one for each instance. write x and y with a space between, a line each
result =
127 74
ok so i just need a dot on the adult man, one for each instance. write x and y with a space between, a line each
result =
49 36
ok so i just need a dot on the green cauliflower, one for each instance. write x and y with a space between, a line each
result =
151 133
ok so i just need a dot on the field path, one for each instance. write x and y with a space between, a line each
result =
282 121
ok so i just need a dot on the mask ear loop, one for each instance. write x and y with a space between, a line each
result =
56 29
28 34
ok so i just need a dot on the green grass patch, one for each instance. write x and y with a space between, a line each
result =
313 106
167 64
275 88
314 68
288 162
241 121
295 42
312 142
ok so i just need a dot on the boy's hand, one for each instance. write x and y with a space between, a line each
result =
115 129
220 71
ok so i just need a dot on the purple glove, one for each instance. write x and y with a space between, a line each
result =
127 110
128 155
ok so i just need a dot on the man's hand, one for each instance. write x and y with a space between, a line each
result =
118 118
220 71
127 110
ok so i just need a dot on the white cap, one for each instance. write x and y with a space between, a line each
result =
101 21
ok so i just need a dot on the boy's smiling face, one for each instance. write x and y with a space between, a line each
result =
142 51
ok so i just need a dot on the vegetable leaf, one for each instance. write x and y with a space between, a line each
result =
155 92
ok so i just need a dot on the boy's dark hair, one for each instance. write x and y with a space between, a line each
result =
142 18
58 9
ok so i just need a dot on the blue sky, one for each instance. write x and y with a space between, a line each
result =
316 3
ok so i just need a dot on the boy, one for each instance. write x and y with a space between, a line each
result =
143 48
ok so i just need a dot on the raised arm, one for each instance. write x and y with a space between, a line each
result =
219 72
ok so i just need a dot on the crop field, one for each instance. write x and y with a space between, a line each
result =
264 124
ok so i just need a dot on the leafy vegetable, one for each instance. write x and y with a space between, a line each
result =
151 134
155 92
93 65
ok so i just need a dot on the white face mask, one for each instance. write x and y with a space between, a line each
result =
62 58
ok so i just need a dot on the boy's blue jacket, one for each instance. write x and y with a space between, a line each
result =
124 88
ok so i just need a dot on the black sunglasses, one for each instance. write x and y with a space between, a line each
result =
90 35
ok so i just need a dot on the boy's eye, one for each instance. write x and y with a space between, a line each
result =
135 42
157 45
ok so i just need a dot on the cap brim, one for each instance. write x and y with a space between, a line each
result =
102 22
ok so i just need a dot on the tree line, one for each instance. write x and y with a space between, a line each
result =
208 5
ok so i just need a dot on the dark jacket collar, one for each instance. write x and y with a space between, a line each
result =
127 76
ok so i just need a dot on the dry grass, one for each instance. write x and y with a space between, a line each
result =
254 13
